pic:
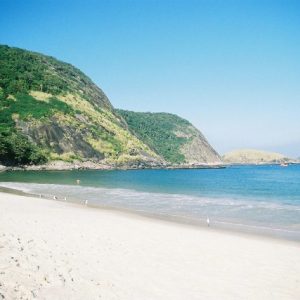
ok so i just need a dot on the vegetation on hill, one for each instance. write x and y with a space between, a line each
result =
158 130
51 110
22 71
14 147
172 137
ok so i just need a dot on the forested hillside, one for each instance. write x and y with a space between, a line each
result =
50 110
172 137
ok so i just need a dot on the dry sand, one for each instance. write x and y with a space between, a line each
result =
55 250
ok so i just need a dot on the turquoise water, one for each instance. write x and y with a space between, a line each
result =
261 197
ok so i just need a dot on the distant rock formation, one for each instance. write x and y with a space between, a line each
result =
252 156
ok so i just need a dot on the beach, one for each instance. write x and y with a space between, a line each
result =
58 250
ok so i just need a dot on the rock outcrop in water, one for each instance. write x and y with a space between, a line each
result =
50 110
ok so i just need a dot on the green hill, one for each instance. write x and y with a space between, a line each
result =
173 138
50 111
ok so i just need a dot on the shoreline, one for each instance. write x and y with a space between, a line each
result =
93 166
217 225
57 250
64 166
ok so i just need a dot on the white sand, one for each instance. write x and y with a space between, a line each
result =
54 250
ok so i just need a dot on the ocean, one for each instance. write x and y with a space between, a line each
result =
259 199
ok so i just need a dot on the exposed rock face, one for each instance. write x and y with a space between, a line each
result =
198 150
251 156
62 138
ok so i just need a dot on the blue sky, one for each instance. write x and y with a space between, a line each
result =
230 67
